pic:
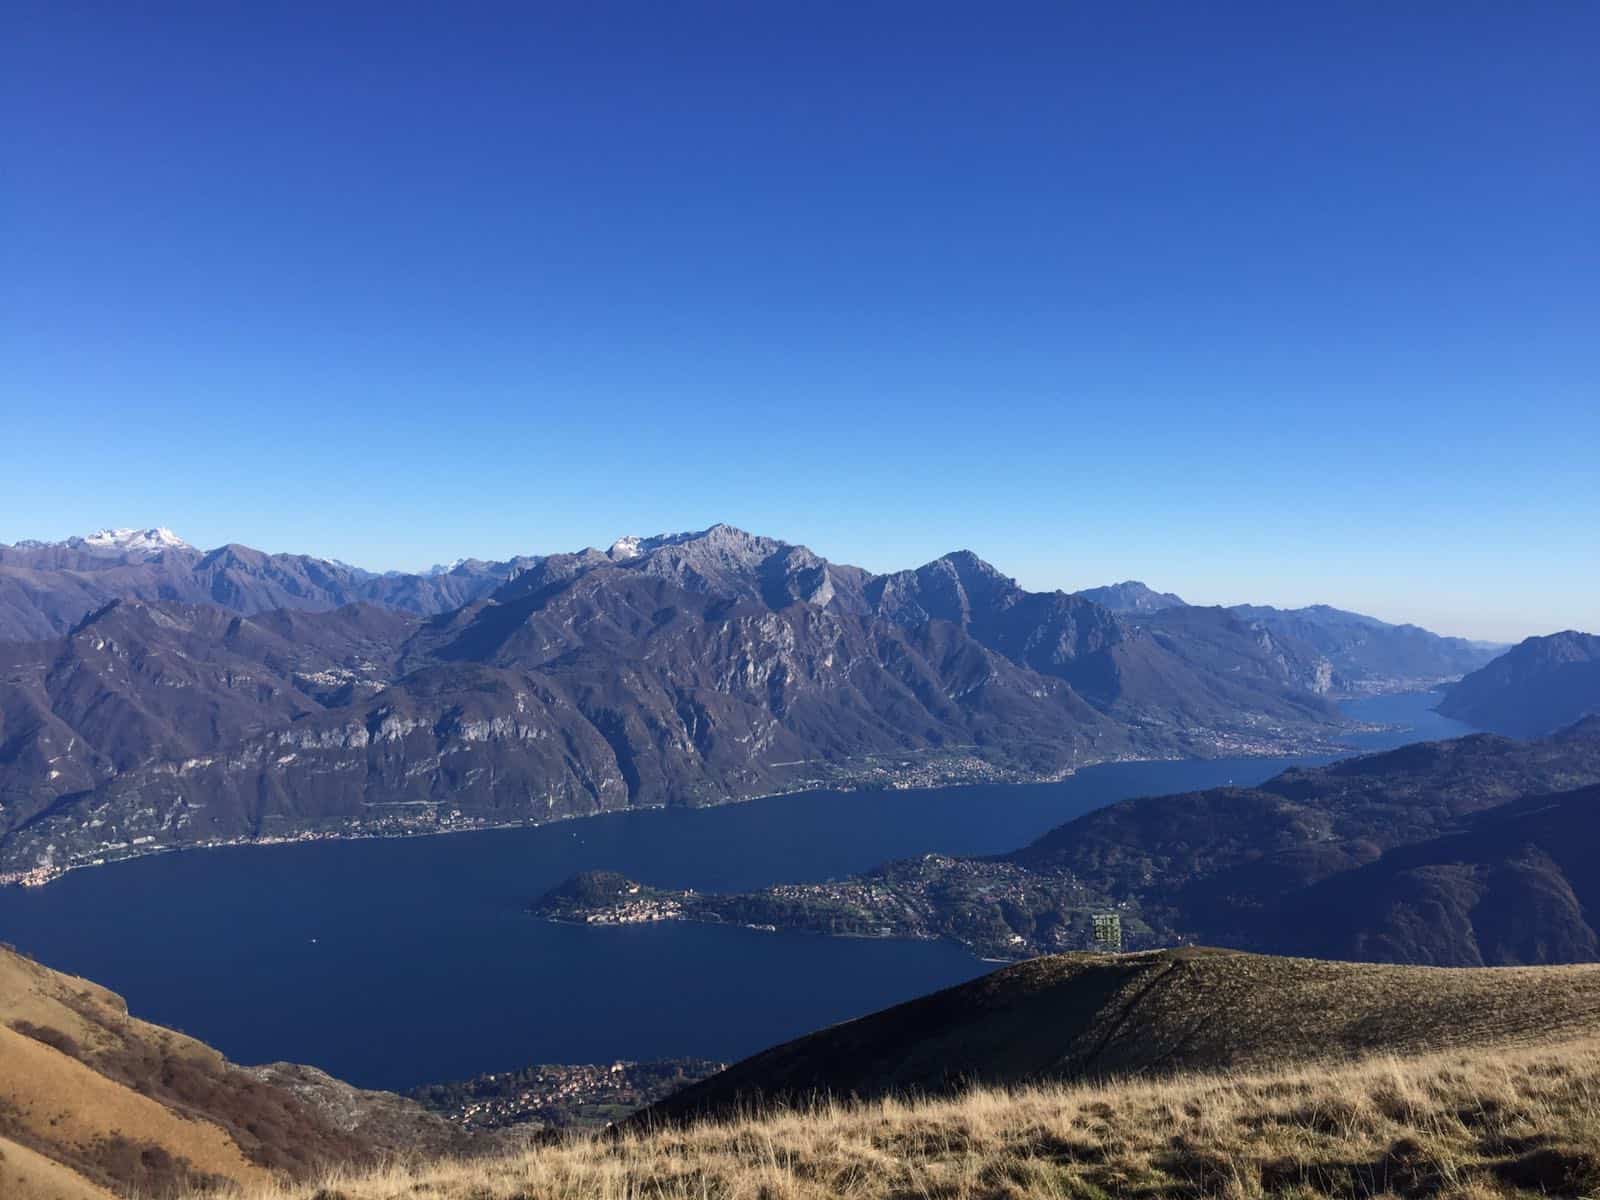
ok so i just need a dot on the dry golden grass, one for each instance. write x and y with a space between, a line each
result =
28 1175
58 1103
1071 1017
91 1015
125 1106
1463 1123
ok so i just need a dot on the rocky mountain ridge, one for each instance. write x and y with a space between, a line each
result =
48 587
686 669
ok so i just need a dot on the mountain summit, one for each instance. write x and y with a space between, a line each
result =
1132 596
150 541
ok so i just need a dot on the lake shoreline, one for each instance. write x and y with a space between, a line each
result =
1291 748
332 951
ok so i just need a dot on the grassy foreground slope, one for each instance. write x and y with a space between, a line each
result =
1186 1073
1483 1123
94 1102
1072 1017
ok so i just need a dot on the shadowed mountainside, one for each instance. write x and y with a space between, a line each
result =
1521 885
1538 685
1219 865
1091 1016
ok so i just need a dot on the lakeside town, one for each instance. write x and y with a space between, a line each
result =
560 1096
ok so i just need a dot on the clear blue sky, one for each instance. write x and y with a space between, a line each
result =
1270 302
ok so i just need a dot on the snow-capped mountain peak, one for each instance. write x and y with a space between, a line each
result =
625 548
147 541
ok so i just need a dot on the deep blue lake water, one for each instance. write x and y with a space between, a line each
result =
393 963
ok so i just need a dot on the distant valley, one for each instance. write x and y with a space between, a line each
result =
158 696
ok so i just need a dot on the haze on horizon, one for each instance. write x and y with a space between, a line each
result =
1251 303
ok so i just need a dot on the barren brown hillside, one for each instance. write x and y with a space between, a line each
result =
120 1105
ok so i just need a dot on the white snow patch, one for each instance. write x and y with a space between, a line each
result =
147 541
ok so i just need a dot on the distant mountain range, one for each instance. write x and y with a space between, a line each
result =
1536 686
177 697
1477 851
48 587
1131 596
1365 655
